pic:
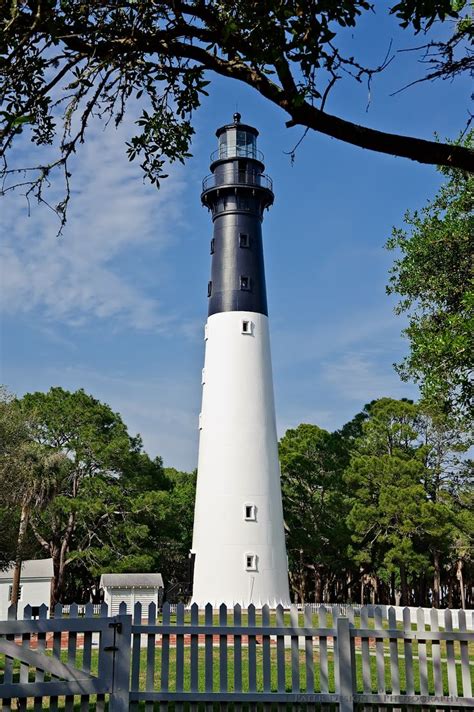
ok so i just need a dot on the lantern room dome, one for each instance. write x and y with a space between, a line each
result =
237 140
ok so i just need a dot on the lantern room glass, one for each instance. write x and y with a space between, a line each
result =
237 143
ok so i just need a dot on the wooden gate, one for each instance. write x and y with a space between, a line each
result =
65 657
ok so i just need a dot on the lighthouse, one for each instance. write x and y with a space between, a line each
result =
238 540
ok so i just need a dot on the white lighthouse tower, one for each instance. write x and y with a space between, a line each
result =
238 543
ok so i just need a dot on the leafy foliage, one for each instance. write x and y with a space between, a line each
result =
89 495
435 280
311 471
29 475
63 63
90 498
381 505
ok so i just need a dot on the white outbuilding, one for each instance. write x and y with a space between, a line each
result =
35 585
131 589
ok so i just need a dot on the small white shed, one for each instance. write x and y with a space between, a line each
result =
131 588
35 585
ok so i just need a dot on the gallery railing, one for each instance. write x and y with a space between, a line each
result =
237 178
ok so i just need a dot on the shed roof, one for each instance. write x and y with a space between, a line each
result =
131 581
31 569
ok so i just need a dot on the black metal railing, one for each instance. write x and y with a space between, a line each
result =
224 152
260 180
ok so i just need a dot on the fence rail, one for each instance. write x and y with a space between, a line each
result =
302 657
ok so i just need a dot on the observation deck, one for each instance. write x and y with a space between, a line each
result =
238 178
236 151
237 181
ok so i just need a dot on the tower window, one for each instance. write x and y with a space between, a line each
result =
246 327
209 288
250 513
251 562
205 332
213 245
245 284
244 240
200 421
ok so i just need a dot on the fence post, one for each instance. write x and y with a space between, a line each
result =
119 699
344 673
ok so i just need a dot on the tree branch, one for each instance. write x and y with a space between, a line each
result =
416 149
38 536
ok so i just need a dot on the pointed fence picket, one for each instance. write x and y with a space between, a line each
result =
266 658
231 657
416 664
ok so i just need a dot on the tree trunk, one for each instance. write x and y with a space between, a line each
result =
302 587
59 566
422 597
53 599
18 560
459 577
436 579
375 587
59 562
404 585
318 585
393 592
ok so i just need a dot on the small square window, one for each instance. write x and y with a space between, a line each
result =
251 562
246 327
209 288
213 245
244 240
250 513
245 284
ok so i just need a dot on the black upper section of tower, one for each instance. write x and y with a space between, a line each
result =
236 193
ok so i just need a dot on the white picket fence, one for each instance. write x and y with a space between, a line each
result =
230 656
342 609
400 611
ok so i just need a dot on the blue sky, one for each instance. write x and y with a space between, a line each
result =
117 304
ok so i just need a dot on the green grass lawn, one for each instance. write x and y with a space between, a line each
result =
155 682
302 671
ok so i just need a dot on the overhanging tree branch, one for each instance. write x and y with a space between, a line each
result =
162 50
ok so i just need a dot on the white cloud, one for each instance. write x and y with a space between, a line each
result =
362 376
320 339
112 214
162 408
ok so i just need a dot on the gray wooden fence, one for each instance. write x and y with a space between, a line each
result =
64 659
295 659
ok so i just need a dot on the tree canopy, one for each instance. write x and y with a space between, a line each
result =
381 507
62 62
433 276
379 510
79 488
